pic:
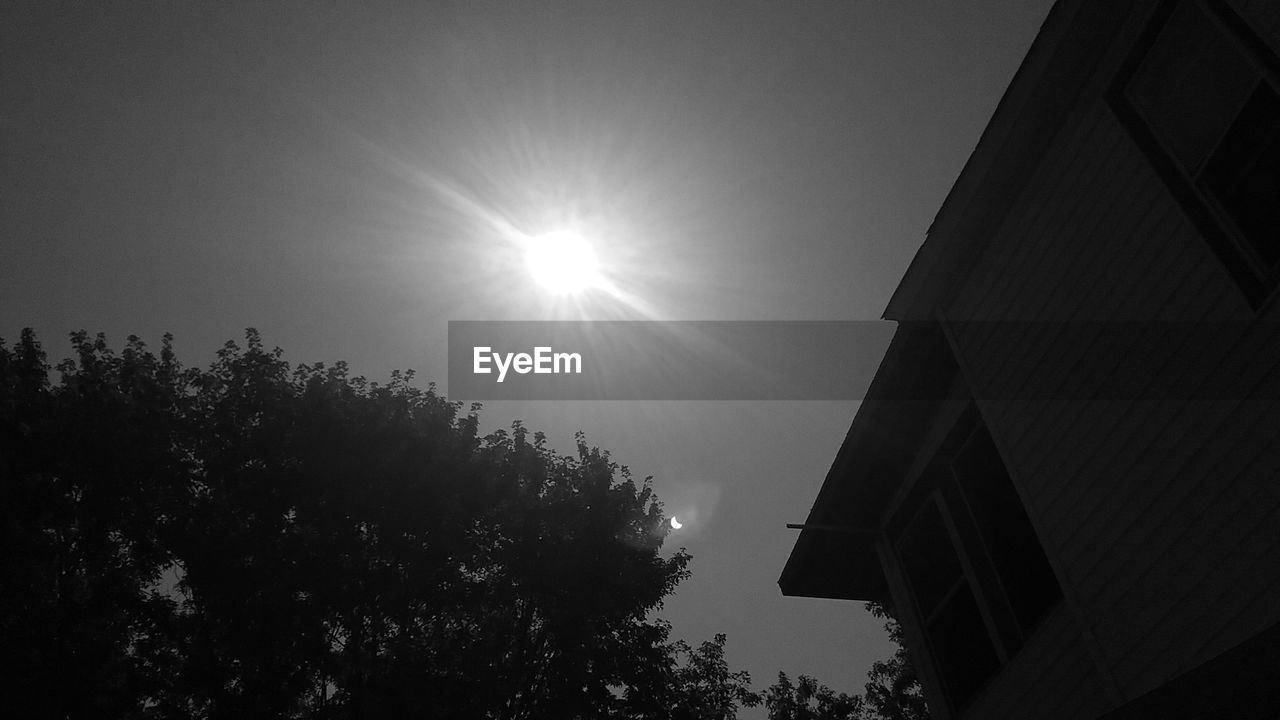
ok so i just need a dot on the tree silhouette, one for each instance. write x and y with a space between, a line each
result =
807 699
892 693
88 473
704 688
262 540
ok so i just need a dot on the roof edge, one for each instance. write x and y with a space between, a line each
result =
1052 75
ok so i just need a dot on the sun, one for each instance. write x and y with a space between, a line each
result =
676 524
562 262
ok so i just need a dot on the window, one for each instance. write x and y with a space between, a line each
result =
962 649
972 560
1201 95
1005 534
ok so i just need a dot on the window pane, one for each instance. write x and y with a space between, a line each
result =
1191 85
928 558
1244 173
1008 538
961 646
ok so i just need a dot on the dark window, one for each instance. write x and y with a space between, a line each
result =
1243 175
1008 539
976 569
1200 95
929 559
962 648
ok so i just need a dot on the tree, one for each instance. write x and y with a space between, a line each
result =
810 700
264 540
892 693
704 688
90 478
257 539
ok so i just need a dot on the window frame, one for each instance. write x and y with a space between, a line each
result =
937 488
1232 248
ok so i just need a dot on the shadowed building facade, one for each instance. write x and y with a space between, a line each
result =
1065 477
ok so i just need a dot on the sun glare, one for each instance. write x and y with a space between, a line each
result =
562 262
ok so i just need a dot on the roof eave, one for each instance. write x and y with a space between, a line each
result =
835 555
1049 81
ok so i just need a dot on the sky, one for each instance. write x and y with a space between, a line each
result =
347 177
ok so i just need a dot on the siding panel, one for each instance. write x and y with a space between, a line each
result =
1158 508
1053 677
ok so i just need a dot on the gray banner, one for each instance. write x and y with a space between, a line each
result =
685 360
833 360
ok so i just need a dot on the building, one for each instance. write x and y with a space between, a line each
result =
1065 477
